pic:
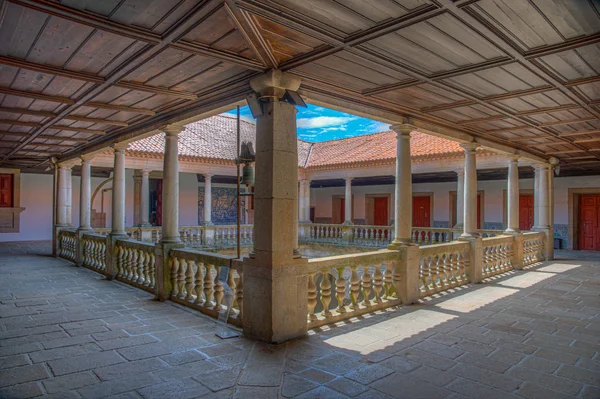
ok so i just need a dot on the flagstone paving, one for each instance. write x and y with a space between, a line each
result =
65 332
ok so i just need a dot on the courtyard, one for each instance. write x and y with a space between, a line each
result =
67 332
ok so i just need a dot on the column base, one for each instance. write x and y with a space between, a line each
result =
170 241
402 243
347 223
549 244
275 300
163 286
475 269
512 232
208 224
144 225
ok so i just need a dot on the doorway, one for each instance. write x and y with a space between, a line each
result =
589 222
526 209
380 211
422 211
338 207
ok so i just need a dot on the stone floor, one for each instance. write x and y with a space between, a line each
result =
65 332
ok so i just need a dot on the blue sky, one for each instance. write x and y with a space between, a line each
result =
322 124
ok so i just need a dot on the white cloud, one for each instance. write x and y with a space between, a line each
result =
323 122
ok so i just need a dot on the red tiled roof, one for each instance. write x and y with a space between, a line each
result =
214 139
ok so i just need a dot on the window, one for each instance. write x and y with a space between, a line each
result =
6 190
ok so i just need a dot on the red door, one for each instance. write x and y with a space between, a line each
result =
421 209
525 212
6 191
380 214
589 222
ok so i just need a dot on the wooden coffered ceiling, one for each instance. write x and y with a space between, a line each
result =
77 74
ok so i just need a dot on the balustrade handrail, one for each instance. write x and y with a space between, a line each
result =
435 249
204 257
500 239
129 243
363 258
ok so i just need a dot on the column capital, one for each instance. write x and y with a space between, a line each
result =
460 172
119 147
403 130
274 83
173 129
146 172
553 161
348 179
208 175
469 147
67 164
87 157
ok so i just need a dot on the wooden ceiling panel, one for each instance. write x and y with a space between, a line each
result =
573 64
535 101
334 77
58 41
349 16
536 24
175 77
19 30
421 96
468 113
147 13
98 52
157 65
590 90
7 75
214 76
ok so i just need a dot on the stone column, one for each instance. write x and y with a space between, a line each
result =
553 163
170 200
536 197
544 207
118 192
145 199
459 224
403 187
85 194
470 192
304 201
513 197
275 279
64 199
207 215
348 201
137 197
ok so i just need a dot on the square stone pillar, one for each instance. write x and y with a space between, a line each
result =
275 277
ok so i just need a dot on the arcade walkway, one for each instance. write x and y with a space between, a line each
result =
65 332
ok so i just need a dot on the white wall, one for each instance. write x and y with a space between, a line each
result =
188 199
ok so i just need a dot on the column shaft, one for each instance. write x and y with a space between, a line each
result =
170 218
118 193
64 199
307 201
460 199
536 197
470 196
145 199
348 201
207 200
85 195
513 197
403 187
544 204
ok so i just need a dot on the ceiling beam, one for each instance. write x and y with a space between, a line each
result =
568 122
96 120
14 134
582 81
62 138
118 107
37 96
481 120
579 133
207 51
18 123
90 19
391 87
156 90
25 111
547 109
441 107
564 46
77 129
51 70
507 130
586 140
518 93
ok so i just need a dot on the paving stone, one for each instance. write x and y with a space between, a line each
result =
178 358
114 387
338 364
590 392
69 382
129 369
187 370
347 387
440 349
68 341
242 392
400 385
27 390
476 390
317 375
506 356
84 362
219 379
540 364
547 380
267 375
103 336
579 374
434 376
533 391
485 362
484 376
21 332
87 330
18 375
126 342
430 359
373 394
322 392
13 361
562 357
475 347
180 389
366 375
294 385
59 353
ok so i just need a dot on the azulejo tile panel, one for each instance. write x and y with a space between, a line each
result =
224 205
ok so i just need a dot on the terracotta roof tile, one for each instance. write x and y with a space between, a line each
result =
214 139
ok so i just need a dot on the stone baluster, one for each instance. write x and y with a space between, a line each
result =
325 293
208 285
340 289
366 286
354 287
189 280
198 280
174 273
312 297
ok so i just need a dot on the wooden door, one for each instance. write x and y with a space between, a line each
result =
421 211
6 191
380 212
526 210
338 210
589 222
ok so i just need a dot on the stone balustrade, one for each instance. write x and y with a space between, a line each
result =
443 266
197 280
497 255
533 247
371 236
94 251
341 287
67 244
431 235
136 263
